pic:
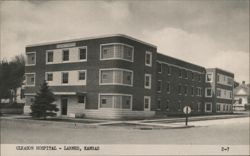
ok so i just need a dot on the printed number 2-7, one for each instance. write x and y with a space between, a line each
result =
225 149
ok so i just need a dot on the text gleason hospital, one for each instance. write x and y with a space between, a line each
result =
119 76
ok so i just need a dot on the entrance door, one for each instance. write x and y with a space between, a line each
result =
64 106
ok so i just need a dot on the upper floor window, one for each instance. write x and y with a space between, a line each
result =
66 55
185 90
168 70
168 87
83 54
81 99
179 73
218 93
179 89
209 77
159 85
148 58
30 79
198 91
208 92
117 51
192 76
147 83
199 77
82 75
31 58
185 74
116 77
49 76
159 67
65 77
192 90
50 56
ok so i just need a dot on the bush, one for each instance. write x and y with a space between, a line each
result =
247 107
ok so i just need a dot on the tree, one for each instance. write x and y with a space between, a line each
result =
42 105
11 77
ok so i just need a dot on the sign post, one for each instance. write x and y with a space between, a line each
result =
187 110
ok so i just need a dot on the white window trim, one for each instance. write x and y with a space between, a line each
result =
69 55
62 78
212 76
219 106
85 71
149 105
199 89
150 81
83 60
116 58
34 80
159 91
180 76
183 75
226 77
27 53
206 92
46 76
210 107
47 51
113 94
151 55
121 84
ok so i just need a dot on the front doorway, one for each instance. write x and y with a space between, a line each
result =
64 106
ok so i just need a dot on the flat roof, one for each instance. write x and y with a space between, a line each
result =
93 37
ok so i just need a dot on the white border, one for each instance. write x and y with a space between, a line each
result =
150 80
206 107
149 105
112 69
212 77
27 53
83 60
34 80
116 58
206 92
151 55
114 94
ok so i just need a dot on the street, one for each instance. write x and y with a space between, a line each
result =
223 131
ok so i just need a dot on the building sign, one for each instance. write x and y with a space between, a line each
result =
66 45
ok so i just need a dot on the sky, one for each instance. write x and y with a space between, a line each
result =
208 33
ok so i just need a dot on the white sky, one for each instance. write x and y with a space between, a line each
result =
208 33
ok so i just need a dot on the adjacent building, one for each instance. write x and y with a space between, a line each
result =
241 96
118 76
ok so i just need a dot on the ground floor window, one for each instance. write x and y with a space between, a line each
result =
217 107
118 101
208 107
147 102
81 99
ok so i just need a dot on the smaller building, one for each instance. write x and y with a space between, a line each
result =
241 94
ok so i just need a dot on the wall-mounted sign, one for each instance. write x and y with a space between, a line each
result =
66 45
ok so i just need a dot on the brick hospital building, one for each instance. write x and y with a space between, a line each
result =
118 76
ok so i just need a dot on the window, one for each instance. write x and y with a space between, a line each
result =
185 74
30 79
168 70
224 107
218 93
199 91
179 73
179 89
148 58
120 101
209 77
117 51
168 87
217 107
49 77
66 55
159 85
147 102
230 95
218 78
81 75
199 77
240 100
185 90
116 77
159 67
50 56
31 58
81 99
192 90
147 80
65 78
192 76
208 92
208 107
83 54
159 104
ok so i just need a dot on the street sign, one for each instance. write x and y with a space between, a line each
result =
187 110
